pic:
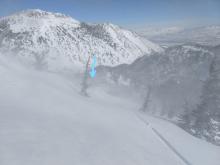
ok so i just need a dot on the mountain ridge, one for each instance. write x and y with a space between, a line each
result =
205 35
69 42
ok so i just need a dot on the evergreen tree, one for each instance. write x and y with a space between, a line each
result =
40 59
205 118
84 84
144 107
185 119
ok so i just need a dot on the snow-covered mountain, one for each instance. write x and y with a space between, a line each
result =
149 32
206 35
62 40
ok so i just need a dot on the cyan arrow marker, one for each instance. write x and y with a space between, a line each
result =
93 71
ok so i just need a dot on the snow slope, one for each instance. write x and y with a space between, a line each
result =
66 42
43 120
196 151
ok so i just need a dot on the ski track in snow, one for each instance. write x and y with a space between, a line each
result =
164 141
170 147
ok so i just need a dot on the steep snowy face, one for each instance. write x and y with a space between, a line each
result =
67 42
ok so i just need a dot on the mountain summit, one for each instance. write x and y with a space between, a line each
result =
67 42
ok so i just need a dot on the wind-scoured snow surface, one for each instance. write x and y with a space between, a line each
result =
44 120
66 42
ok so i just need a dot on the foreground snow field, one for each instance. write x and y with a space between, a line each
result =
44 121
